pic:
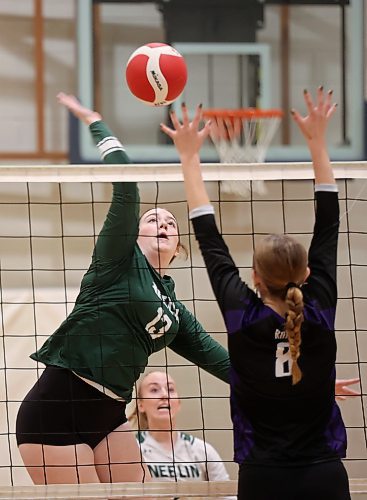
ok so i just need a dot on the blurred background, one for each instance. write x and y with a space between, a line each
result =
240 53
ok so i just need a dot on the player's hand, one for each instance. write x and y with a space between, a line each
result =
313 125
342 390
187 135
88 116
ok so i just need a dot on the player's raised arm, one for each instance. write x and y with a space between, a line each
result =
188 139
313 126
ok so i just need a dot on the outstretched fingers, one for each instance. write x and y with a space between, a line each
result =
309 101
175 121
321 104
187 134
60 96
319 111
320 99
328 107
328 104
342 391
198 116
88 116
331 110
185 115
167 130
68 100
324 102
301 122
177 125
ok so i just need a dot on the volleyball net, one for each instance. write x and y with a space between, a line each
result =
50 217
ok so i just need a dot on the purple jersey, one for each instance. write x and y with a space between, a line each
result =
275 422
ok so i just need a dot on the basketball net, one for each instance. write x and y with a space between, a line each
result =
242 136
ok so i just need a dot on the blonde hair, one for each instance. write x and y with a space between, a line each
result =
294 320
137 419
281 262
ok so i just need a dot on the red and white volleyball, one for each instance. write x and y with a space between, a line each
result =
156 74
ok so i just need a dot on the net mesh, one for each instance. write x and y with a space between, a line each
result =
47 234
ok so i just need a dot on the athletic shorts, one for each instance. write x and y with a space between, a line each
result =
61 409
321 481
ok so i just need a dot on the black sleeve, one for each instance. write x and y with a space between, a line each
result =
322 255
230 291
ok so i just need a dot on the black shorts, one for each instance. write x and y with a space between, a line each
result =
61 409
321 481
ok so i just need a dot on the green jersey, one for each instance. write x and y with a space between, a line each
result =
125 310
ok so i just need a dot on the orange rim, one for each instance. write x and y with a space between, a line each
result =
243 113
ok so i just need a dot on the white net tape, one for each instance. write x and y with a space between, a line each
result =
182 490
171 172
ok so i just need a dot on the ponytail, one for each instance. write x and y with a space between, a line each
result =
281 263
294 320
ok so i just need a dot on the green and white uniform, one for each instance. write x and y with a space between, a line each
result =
125 310
189 459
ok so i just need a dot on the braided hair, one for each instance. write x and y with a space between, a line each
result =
281 262
294 320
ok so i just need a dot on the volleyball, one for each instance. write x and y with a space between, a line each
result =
156 74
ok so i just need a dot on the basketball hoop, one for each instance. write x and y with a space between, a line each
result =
242 136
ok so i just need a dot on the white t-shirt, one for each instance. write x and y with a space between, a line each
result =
189 459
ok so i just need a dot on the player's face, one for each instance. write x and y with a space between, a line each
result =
159 400
158 231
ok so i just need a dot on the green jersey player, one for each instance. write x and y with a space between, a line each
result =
71 427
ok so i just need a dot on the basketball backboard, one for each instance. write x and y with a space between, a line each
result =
297 45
